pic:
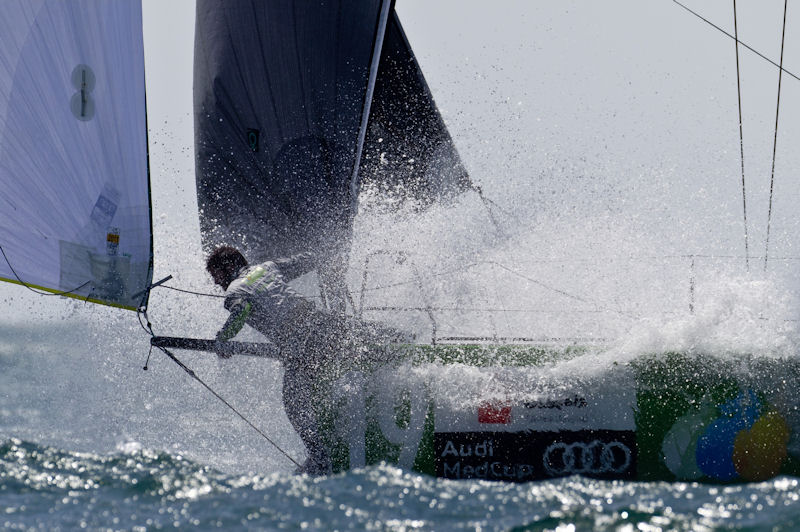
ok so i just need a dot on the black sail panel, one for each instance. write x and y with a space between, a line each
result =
408 152
279 90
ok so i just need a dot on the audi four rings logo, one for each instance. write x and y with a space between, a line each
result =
586 458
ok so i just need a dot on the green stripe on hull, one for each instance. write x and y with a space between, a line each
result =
673 416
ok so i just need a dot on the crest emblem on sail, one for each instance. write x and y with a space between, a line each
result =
75 207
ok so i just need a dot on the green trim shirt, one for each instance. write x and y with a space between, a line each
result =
262 298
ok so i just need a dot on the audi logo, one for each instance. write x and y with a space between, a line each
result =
586 458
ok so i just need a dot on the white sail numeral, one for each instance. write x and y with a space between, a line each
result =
389 394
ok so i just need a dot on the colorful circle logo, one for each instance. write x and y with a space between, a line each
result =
743 438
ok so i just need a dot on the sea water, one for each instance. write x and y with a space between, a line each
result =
88 439
48 488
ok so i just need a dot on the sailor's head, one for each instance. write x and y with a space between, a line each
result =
224 264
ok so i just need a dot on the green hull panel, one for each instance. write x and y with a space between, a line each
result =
511 413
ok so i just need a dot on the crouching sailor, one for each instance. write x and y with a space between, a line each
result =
309 341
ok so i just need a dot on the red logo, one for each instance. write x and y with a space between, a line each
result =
496 412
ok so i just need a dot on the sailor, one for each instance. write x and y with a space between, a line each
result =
309 341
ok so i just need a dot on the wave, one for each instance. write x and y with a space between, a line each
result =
43 487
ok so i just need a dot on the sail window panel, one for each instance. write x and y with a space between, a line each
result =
73 148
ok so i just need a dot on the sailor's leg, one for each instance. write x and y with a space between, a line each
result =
298 402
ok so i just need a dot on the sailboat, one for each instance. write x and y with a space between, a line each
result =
297 107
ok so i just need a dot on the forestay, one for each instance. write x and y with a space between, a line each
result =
75 203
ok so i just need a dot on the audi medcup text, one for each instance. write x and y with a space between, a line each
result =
489 470
485 448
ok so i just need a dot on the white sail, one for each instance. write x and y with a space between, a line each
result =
74 189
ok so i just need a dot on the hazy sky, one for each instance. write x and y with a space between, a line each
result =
623 106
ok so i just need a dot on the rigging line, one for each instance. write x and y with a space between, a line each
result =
192 374
149 328
204 294
741 138
34 290
539 283
462 269
488 204
184 367
483 310
562 292
492 203
759 54
775 141
459 269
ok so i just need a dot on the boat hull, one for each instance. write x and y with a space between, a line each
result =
514 414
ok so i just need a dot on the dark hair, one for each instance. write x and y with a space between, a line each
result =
227 259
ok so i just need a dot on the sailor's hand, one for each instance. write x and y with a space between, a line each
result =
219 349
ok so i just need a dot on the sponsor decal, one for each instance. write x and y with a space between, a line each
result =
112 241
571 409
490 471
593 458
484 448
524 456
104 208
570 402
742 438
495 412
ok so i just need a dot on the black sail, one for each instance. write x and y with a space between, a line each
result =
280 91
408 153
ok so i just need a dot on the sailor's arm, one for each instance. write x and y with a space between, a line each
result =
296 265
239 312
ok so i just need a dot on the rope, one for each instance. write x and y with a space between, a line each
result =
775 141
184 367
562 292
741 137
461 269
218 296
759 54
192 374
202 294
489 205
34 290
482 309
